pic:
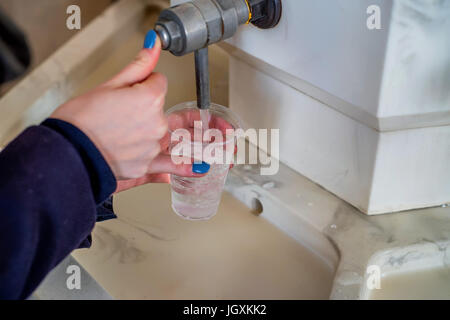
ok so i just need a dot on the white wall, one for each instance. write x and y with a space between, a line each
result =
365 114
328 44
417 70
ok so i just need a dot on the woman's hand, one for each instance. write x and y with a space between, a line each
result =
124 118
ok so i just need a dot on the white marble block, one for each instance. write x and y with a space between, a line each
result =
364 113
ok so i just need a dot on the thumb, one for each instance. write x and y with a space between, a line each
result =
142 66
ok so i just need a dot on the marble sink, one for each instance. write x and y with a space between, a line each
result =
150 253
420 271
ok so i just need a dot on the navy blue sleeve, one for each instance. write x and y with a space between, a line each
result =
101 177
52 181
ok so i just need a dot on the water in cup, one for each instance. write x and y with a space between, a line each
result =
199 198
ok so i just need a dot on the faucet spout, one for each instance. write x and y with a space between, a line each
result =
202 78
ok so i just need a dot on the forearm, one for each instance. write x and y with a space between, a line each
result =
48 205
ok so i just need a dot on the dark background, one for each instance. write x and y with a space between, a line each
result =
44 23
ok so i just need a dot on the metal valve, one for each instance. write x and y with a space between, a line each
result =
193 26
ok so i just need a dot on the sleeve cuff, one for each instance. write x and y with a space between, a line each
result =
105 211
103 181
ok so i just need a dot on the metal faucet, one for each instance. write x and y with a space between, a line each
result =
193 26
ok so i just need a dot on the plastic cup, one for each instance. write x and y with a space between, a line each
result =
199 198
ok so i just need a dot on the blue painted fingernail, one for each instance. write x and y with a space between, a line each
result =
150 39
200 168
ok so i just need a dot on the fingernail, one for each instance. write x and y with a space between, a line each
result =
200 168
150 39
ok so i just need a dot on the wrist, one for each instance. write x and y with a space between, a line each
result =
103 181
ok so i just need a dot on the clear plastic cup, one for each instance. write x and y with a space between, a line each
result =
199 198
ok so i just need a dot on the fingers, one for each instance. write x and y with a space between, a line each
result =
164 164
151 92
220 124
155 85
147 95
159 178
165 143
139 70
